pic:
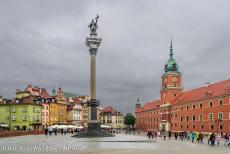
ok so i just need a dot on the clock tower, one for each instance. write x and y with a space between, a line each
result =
171 80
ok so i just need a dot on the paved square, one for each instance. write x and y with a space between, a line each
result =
124 144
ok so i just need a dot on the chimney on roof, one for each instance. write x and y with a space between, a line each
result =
208 92
207 84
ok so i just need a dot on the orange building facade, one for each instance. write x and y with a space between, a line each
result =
205 109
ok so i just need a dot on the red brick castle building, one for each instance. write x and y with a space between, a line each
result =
205 109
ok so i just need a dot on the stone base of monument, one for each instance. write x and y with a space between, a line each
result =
93 130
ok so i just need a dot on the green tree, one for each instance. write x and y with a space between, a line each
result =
129 120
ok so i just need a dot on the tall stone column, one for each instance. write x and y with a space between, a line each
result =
93 42
94 128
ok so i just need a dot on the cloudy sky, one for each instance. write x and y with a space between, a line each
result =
42 42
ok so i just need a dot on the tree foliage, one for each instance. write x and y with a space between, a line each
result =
129 119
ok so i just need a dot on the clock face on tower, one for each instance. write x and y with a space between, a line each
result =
174 79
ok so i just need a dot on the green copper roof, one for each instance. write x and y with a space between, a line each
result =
171 65
68 95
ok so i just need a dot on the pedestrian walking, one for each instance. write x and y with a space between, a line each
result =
212 138
226 139
169 133
50 129
218 139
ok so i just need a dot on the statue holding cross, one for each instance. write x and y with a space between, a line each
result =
93 25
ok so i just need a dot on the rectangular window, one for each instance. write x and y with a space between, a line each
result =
193 126
24 117
194 106
187 126
211 103
181 118
187 118
220 115
202 126
24 109
201 117
201 105
220 102
194 117
13 109
187 107
210 115
212 126
14 117
221 127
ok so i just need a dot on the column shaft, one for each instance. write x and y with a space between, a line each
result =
93 77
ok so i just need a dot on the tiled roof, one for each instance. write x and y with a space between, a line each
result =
110 110
68 94
205 92
148 106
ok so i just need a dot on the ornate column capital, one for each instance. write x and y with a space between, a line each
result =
93 51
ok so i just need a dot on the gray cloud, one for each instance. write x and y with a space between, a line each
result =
42 43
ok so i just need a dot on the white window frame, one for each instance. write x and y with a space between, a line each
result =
201 115
209 116
14 109
14 117
193 116
219 115
24 118
212 103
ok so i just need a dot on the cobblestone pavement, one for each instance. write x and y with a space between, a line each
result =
125 144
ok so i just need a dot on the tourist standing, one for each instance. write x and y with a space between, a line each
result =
212 138
46 131
226 139
176 135
193 136
169 133
164 135
218 138
50 129
55 131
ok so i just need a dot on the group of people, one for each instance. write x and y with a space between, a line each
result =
153 134
213 139
217 138
50 131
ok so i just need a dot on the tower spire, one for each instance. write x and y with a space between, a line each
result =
171 49
53 91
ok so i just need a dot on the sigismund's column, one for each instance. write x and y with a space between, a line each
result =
93 42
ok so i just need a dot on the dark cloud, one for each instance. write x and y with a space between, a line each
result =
43 43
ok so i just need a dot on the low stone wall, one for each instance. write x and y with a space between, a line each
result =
19 133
